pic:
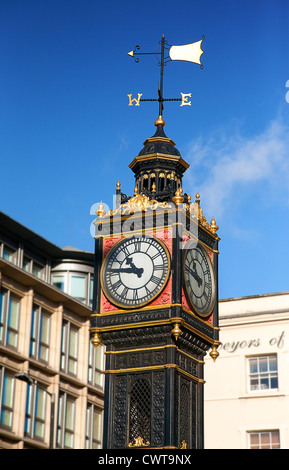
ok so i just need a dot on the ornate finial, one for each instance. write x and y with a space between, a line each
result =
176 331
100 211
153 187
160 121
139 442
118 185
96 340
214 353
214 227
197 198
189 199
135 189
178 197
184 445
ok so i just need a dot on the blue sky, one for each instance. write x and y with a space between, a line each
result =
67 134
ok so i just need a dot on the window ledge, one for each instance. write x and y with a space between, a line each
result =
265 394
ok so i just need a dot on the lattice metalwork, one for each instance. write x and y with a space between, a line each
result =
140 411
185 413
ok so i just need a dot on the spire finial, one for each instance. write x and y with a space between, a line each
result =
160 121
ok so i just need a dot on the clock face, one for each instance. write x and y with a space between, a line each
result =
199 280
135 271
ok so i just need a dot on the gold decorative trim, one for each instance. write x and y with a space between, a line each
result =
197 213
139 442
163 366
163 156
157 307
138 203
141 349
176 331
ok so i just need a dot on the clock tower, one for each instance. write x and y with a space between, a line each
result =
155 304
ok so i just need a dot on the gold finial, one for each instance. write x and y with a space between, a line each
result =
118 185
184 445
214 353
96 340
189 199
176 331
139 442
135 189
160 121
214 226
100 211
197 198
178 197
153 187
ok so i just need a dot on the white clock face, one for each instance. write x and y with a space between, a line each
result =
199 280
135 271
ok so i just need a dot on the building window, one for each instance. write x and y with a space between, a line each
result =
40 334
93 427
9 254
263 373
6 398
91 292
65 424
96 365
32 267
77 287
69 347
9 318
35 412
38 270
58 280
264 440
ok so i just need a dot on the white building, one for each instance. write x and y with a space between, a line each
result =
247 387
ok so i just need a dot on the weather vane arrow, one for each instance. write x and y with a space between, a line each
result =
187 52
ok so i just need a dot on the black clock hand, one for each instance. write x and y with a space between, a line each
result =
136 270
195 275
132 269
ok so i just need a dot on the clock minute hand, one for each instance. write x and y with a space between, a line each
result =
131 270
196 276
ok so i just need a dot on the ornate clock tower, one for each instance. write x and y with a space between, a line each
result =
155 304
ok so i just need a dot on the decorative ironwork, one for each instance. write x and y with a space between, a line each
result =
188 52
140 411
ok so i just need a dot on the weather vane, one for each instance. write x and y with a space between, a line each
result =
187 52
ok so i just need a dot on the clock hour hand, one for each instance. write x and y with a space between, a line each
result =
132 269
136 270
195 275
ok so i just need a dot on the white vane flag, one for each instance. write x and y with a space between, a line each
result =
188 52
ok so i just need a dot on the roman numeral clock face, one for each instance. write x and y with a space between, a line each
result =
199 280
135 271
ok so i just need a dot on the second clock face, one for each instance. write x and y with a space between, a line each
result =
135 271
199 280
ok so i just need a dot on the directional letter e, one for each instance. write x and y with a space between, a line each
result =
134 99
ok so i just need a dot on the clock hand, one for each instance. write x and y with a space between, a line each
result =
195 275
132 269
136 270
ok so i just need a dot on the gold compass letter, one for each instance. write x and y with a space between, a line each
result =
139 95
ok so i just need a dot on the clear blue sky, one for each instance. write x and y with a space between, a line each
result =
67 133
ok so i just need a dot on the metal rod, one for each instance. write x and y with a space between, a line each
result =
161 106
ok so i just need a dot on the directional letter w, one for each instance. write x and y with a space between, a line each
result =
134 99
